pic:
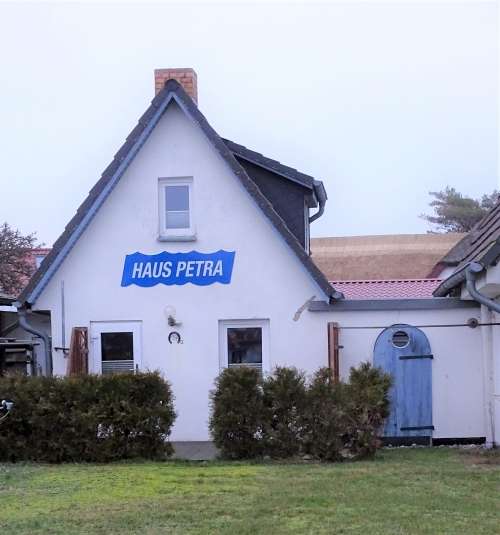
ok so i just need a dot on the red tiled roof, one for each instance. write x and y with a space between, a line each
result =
387 289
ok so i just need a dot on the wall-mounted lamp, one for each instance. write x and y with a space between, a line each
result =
170 315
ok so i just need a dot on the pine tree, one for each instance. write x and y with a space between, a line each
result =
454 212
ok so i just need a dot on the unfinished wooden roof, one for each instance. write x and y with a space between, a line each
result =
392 256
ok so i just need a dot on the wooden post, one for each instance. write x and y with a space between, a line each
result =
333 350
78 352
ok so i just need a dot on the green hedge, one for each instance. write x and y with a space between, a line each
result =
285 400
284 416
367 405
89 418
325 417
237 413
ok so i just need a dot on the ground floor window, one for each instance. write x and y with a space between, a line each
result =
117 351
244 343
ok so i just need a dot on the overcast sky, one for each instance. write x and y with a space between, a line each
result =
383 102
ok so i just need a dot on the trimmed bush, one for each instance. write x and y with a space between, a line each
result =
283 416
285 401
237 415
87 418
367 407
325 417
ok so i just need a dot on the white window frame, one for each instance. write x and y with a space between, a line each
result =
224 325
175 234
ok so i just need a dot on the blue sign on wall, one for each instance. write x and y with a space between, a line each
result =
178 268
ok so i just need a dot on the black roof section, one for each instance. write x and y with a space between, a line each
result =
481 244
276 167
122 159
268 163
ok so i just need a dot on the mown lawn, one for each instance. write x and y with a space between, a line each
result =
403 491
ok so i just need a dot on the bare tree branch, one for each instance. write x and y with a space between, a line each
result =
16 266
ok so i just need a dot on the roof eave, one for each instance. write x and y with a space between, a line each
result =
458 277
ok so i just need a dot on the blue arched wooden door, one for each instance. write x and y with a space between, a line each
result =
404 351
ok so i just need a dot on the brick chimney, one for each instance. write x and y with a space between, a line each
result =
186 77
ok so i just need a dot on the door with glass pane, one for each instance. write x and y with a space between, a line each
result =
116 346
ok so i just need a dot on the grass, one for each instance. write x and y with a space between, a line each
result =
413 491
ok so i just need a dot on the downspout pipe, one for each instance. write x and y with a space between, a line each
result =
320 192
471 272
23 322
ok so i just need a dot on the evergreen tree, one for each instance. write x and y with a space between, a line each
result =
454 212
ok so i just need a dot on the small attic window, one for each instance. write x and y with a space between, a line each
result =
175 197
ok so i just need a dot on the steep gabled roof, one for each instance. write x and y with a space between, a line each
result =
481 244
111 175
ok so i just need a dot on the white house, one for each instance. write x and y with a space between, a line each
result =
191 253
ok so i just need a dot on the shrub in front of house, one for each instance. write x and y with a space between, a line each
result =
285 400
87 418
325 417
283 416
367 407
237 417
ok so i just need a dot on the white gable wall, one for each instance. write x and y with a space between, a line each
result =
268 280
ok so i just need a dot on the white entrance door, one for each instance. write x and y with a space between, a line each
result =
116 346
